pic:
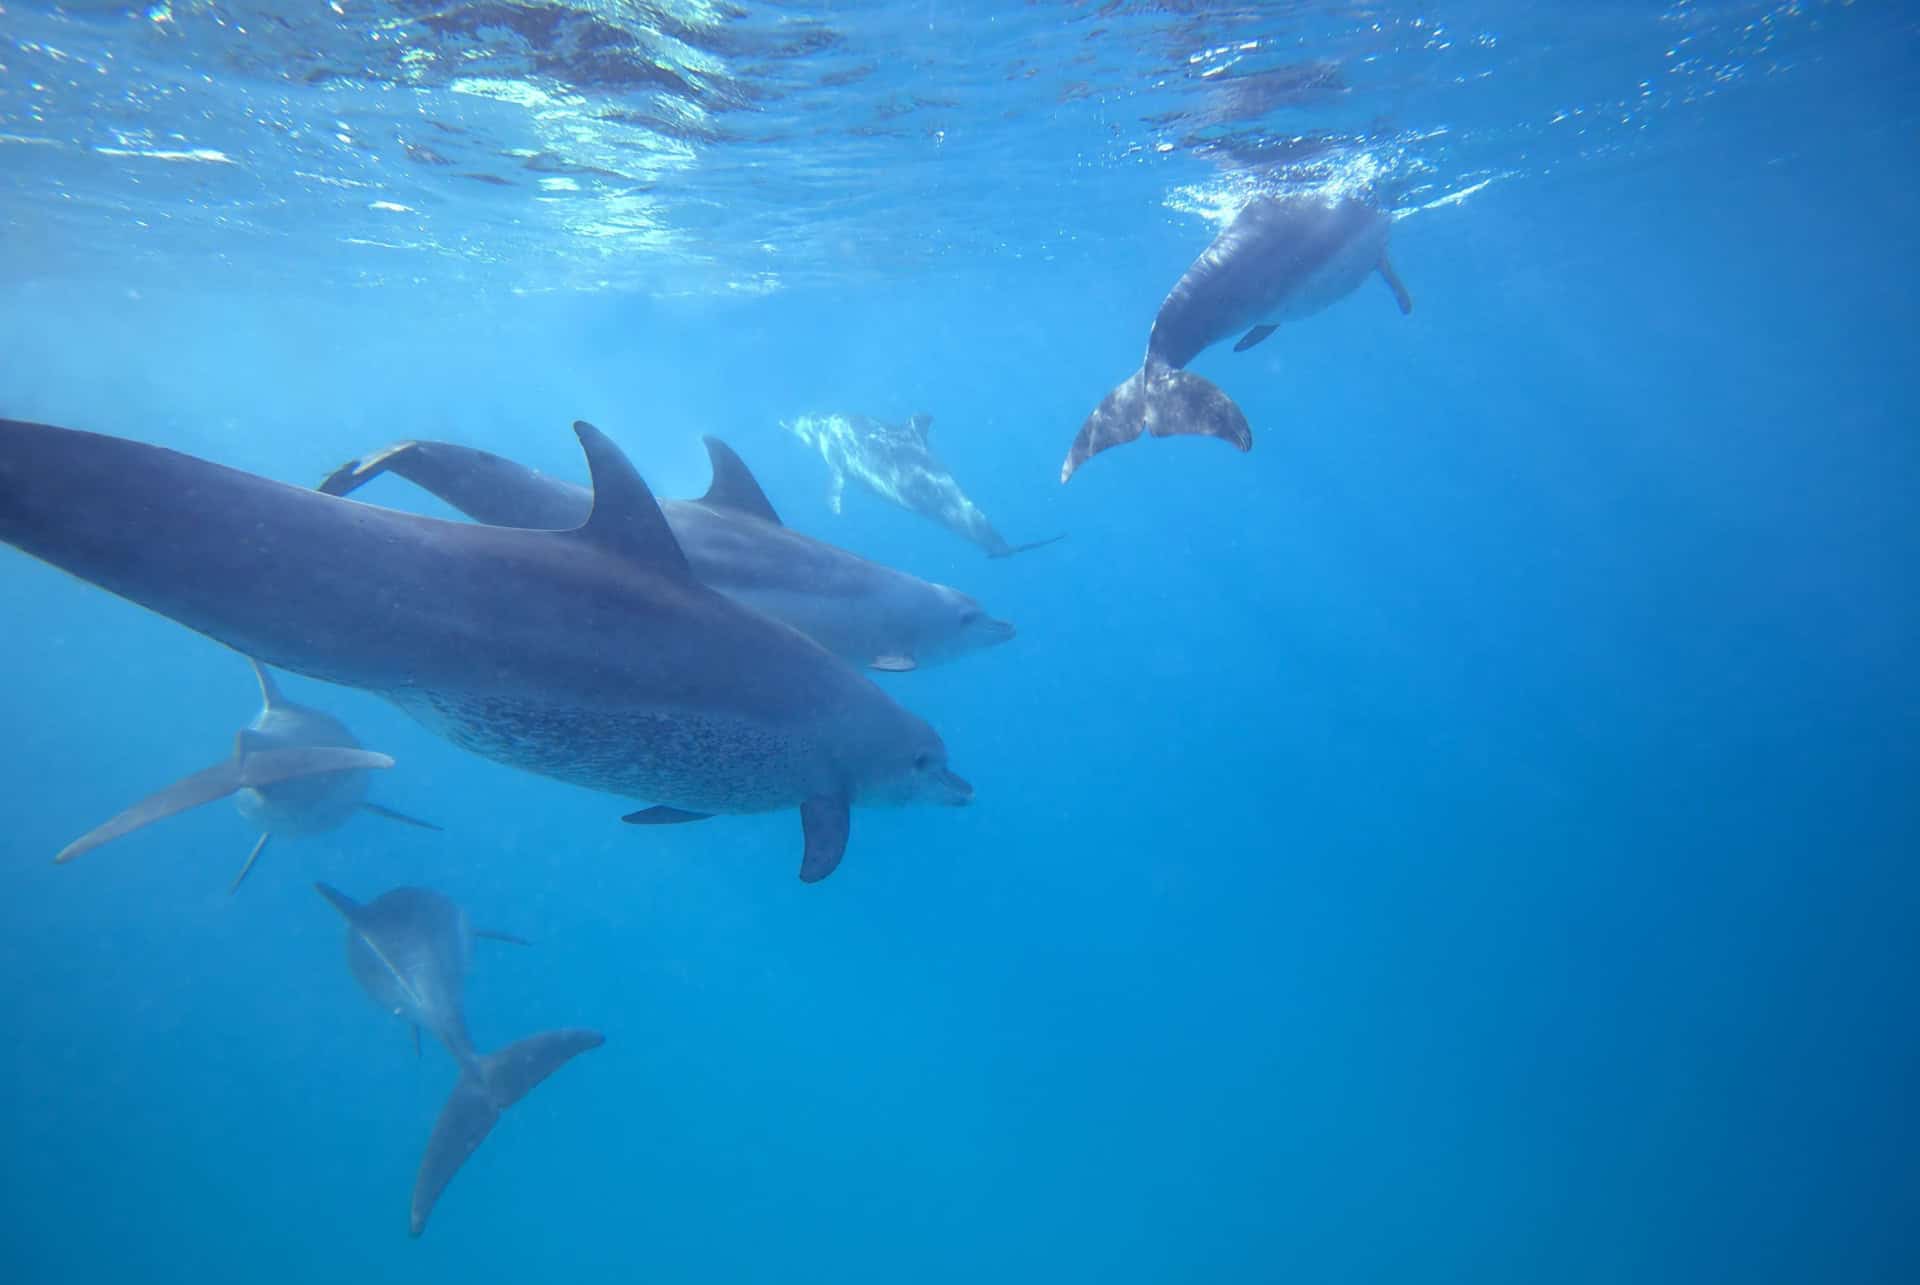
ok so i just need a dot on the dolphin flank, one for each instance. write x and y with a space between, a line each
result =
1282 258
863 612
409 949
590 655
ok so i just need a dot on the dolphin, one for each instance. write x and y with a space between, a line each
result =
1282 258
294 770
592 655
863 612
896 462
409 949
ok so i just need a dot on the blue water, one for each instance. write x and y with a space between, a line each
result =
1472 837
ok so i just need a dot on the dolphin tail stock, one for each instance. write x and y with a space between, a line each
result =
487 1087
1164 401
246 769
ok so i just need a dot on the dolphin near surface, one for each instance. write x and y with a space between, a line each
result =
410 949
896 462
294 770
1280 259
591 655
865 613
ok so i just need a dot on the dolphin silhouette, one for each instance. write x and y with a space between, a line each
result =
409 949
294 770
1282 258
896 462
591 655
863 612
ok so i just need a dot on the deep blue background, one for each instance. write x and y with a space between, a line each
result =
1470 838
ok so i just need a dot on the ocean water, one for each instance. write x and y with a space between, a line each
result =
1470 837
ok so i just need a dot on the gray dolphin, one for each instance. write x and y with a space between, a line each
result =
863 612
590 655
896 462
294 770
1281 259
409 949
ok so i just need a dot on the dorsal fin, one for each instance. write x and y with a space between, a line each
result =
269 690
920 424
734 486
626 519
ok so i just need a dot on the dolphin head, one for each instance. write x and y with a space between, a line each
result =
954 624
911 767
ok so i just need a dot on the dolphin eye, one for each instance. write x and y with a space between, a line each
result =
970 616
922 761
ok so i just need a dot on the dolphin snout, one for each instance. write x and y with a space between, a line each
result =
959 792
997 631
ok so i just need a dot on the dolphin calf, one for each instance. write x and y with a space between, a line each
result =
294 770
592 655
863 612
896 462
409 949
1282 258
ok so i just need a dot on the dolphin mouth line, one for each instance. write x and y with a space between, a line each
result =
960 791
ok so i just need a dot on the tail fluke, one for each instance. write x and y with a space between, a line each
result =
1164 402
486 487
245 769
497 1081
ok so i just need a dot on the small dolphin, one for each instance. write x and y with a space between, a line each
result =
1281 259
897 463
294 770
590 655
865 613
409 949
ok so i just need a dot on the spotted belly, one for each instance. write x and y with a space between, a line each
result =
700 762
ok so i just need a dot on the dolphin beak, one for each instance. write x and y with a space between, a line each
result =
959 793
999 631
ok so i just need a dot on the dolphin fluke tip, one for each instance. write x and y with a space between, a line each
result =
1165 403
475 1104
356 473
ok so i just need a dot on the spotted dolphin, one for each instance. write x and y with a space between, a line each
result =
592 655
865 613
294 770
410 949
1281 259
896 462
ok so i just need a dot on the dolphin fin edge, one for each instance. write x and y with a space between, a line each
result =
734 485
626 518
474 1106
1164 402
1392 278
824 823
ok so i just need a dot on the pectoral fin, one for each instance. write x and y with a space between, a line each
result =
663 816
494 934
401 817
1392 278
893 664
259 846
824 822
246 768
1254 336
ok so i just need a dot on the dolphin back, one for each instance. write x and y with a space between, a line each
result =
488 1087
1163 401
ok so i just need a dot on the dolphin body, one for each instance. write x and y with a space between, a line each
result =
863 612
896 462
294 770
592 655
1281 259
409 949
